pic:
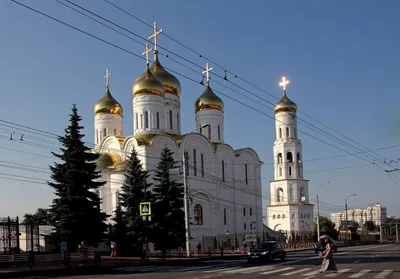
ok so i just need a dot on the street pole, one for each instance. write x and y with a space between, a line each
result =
146 217
318 226
347 221
186 195
397 234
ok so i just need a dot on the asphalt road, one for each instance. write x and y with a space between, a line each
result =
365 262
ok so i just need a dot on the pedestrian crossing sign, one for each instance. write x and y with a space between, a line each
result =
145 209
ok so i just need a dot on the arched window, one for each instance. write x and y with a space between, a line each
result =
289 157
177 121
137 120
146 119
170 120
290 171
280 160
158 120
97 136
302 194
198 215
280 133
219 132
279 195
287 132
273 216
104 132
298 157
194 162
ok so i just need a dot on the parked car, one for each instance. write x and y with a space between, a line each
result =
266 251
320 246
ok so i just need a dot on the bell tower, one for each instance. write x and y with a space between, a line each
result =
290 208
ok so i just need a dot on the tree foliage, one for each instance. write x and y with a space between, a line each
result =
40 217
134 191
168 223
369 226
327 227
75 212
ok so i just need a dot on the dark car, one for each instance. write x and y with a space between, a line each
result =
320 246
266 251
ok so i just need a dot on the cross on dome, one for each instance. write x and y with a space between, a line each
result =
283 83
207 72
107 77
146 52
155 34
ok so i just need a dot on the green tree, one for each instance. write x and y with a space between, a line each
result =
327 227
75 212
168 223
119 232
134 191
369 226
40 217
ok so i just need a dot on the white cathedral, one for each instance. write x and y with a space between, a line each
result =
224 183
290 210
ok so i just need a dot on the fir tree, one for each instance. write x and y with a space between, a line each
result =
75 211
134 191
168 221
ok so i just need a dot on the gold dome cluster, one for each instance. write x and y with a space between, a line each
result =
208 100
170 82
108 104
146 83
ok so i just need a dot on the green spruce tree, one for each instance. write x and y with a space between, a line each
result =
119 232
75 211
134 191
168 221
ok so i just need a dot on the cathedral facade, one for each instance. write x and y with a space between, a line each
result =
290 209
224 184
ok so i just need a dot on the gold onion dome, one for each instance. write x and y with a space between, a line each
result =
108 104
208 100
108 160
146 83
170 82
285 104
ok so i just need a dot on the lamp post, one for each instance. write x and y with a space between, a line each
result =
186 194
318 228
347 222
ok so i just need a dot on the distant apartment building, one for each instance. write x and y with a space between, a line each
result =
375 213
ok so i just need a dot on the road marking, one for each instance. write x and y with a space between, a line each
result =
259 269
277 270
219 270
296 271
337 273
356 261
384 273
361 273
311 273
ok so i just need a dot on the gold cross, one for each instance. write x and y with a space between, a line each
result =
146 52
155 34
283 83
107 77
207 72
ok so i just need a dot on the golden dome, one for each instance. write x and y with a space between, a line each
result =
122 166
108 160
208 100
147 84
170 82
108 104
285 104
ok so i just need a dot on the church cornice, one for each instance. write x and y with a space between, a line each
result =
289 179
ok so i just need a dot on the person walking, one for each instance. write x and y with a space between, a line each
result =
328 264
113 249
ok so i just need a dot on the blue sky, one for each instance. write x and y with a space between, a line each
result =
340 56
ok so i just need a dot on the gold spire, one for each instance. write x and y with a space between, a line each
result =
108 104
285 104
146 83
208 100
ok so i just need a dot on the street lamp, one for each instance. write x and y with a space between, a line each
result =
318 228
186 194
347 222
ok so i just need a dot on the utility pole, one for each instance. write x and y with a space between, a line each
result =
318 225
186 205
397 233
347 220
146 231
